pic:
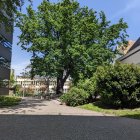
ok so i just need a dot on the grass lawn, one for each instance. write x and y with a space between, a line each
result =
131 113
6 101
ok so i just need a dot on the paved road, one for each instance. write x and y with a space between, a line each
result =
45 127
42 107
31 121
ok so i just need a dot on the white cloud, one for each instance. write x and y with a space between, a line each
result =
20 66
131 5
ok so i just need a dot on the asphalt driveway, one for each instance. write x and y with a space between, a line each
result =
48 120
58 127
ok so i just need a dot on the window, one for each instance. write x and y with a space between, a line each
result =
4 83
4 62
4 42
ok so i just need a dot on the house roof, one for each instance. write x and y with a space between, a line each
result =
134 49
124 49
135 45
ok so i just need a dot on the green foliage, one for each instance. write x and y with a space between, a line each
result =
9 8
75 97
83 92
12 79
68 40
26 94
86 85
119 85
9 101
98 107
17 88
89 86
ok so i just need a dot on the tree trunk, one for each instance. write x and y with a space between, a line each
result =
60 84
47 82
61 81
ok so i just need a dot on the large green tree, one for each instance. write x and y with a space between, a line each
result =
68 40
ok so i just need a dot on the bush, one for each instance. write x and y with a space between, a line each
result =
88 86
25 94
17 88
119 85
9 101
75 97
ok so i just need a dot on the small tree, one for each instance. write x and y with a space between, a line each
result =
17 89
68 40
12 78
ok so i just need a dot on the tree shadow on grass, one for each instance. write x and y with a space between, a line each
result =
127 112
103 106
132 116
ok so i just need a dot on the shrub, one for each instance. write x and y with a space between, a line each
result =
119 85
17 88
75 97
88 86
9 101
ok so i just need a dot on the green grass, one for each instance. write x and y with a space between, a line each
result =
6 101
131 113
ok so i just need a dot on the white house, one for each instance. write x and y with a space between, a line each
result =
39 83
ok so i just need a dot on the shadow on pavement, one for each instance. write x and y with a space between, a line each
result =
30 103
45 127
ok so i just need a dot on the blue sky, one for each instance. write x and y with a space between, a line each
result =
114 10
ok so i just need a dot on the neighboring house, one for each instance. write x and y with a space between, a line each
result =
39 84
35 84
5 59
124 49
133 54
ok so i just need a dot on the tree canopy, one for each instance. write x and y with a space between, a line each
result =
68 40
7 10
